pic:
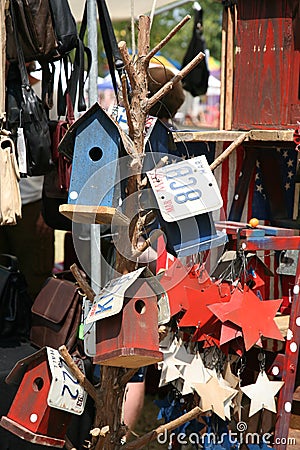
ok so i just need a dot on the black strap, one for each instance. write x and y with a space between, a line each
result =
77 80
110 44
21 59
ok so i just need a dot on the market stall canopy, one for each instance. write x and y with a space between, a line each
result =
121 10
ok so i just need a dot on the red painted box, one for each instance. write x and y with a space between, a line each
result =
130 338
267 65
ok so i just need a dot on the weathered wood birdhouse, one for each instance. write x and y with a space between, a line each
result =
267 64
47 397
126 312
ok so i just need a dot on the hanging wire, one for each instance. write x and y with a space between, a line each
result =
133 46
152 12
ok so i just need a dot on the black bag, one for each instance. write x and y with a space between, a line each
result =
15 302
26 111
196 81
46 29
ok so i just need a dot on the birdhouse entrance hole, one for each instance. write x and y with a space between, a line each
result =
140 306
38 384
95 153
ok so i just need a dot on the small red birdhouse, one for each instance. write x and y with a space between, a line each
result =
31 416
126 311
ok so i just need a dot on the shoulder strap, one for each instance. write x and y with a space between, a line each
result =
77 76
21 59
110 43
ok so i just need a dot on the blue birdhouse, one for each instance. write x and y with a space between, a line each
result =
95 159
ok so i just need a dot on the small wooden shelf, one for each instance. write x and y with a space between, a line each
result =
228 136
94 214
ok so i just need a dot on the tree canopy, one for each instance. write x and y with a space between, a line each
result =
163 24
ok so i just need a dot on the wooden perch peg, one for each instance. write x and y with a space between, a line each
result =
228 150
169 85
152 435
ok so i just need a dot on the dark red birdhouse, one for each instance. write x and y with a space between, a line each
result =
31 416
126 311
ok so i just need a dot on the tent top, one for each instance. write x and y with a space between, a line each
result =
121 10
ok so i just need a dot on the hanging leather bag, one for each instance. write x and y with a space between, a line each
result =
56 314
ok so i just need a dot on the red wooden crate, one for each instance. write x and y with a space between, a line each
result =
267 65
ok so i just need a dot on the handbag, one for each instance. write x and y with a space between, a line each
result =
31 117
10 198
15 302
57 181
56 314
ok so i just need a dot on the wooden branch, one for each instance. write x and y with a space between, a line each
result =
126 104
166 39
228 150
83 381
102 436
143 36
127 376
152 435
147 243
68 444
127 63
84 286
169 85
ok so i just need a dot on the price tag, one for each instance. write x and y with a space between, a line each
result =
185 189
65 391
110 300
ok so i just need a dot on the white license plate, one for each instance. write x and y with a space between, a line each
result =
185 189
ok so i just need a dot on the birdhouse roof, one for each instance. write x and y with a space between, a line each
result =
16 374
66 146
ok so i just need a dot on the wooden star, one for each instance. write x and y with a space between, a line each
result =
262 393
232 379
198 313
195 372
213 396
228 403
176 357
255 317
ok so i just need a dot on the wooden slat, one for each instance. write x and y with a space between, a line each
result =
229 68
93 214
269 231
228 136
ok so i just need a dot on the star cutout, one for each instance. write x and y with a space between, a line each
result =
255 317
213 396
232 379
198 313
174 281
228 403
174 358
262 393
195 372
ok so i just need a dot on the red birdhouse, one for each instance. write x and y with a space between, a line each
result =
126 311
30 416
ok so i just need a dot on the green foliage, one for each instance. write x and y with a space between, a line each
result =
163 23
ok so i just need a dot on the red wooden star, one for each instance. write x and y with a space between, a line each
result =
198 314
255 317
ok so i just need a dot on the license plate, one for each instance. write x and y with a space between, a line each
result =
185 189
65 392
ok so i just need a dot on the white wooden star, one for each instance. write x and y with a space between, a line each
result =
228 403
195 372
176 357
213 396
262 393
